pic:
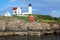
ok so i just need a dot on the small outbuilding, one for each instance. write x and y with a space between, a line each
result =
7 14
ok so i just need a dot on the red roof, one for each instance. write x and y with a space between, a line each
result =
14 8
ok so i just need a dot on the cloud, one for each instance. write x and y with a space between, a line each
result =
34 9
55 13
13 0
52 1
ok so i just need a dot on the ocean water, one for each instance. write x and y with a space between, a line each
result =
27 37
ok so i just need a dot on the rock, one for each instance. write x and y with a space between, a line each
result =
20 25
2 25
56 26
12 25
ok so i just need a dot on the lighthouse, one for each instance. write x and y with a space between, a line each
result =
30 9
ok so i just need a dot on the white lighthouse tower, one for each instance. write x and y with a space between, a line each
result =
30 9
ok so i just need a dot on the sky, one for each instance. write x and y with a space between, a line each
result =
44 7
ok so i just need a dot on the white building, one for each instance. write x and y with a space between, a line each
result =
7 14
18 10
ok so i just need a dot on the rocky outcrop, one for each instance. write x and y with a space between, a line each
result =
20 25
2 25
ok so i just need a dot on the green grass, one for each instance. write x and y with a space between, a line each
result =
47 20
21 18
38 18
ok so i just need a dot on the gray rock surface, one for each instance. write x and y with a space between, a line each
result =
20 25
2 25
